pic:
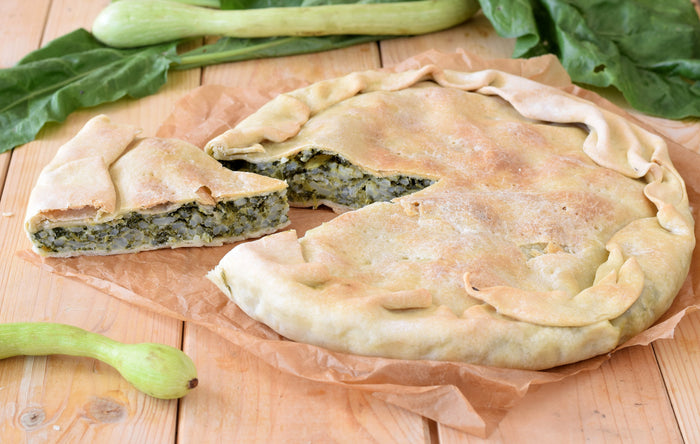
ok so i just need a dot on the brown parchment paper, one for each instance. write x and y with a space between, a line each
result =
467 397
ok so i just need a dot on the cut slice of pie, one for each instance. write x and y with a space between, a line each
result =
547 229
108 192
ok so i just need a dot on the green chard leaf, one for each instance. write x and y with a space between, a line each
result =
648 50
77 71
74 71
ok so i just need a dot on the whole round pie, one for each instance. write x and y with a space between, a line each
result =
485 218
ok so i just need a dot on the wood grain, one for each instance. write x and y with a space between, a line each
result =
643 394
21 28
242 399
679 360
476 36
617 404
59 398
265 74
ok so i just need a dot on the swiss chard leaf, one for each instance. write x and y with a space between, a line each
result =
77 71
74 71
648 50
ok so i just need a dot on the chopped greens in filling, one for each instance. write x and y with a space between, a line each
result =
314 175
189 223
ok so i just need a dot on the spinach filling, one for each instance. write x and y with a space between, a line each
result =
190 222
314 175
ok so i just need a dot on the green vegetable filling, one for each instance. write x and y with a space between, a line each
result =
314 176
189 223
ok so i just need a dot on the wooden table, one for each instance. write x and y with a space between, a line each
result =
643 394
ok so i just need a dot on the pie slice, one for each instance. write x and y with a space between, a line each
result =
544 230
108 192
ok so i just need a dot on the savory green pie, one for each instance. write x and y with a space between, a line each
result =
107 192
503 222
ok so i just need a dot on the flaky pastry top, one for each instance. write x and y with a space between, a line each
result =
555 230
105 171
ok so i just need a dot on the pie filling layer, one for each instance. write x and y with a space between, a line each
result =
314 176
190 223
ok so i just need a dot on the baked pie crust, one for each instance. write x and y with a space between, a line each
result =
107 192
552 230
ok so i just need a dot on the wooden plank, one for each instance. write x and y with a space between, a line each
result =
62 398
623 401
262 404
243 399
268 74
63 388
73 399
679 359
475 36
21 26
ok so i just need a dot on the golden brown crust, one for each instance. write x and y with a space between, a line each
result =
555 230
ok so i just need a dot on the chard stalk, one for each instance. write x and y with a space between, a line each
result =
133 23
158 370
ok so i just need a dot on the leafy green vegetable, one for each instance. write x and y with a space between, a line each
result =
647 49
74 71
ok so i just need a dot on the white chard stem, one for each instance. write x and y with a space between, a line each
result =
158 370
132 23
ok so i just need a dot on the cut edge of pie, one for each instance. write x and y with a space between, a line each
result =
108 192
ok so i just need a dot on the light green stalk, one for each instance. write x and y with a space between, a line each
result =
132 23
158 370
